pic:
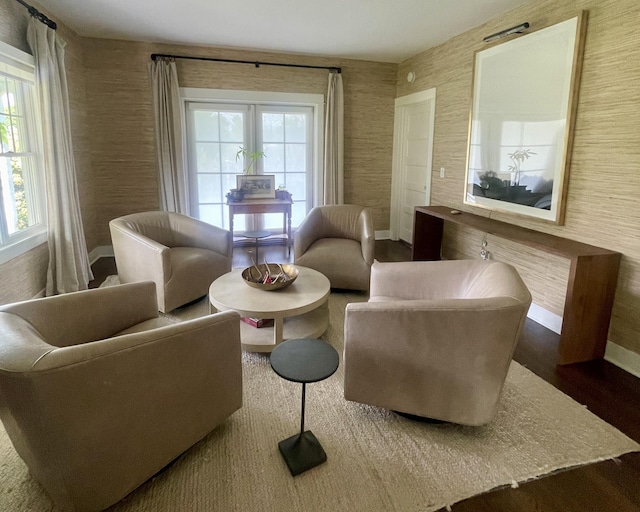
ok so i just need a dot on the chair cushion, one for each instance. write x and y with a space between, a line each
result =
339 259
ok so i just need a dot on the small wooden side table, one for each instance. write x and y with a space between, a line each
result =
264 206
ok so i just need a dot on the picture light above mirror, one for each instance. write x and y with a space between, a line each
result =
518 29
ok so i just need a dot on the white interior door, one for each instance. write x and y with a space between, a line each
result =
413 146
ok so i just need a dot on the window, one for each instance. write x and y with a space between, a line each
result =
21 199
286 131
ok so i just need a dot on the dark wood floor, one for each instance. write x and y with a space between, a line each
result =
606 390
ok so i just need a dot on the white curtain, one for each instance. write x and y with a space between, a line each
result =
334 142
166 106
69 267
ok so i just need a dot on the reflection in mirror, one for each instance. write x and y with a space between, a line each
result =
521 122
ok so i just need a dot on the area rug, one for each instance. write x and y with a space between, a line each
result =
377 461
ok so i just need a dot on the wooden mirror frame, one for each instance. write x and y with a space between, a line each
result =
525 94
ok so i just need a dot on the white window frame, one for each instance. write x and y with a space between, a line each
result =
310 184
21 65
315 101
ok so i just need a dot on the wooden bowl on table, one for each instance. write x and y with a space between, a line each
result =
279 276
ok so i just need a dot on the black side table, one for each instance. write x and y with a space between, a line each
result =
303 360
257 235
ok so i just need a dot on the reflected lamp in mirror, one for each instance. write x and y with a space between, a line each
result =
521 126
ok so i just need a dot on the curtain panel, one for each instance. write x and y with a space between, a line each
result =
167 113
69 267
334 142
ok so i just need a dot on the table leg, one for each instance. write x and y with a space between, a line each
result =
302 451
284 227
289 241
278 330
304 393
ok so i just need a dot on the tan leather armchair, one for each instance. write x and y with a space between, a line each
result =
435 339
337 241
98 394
182 255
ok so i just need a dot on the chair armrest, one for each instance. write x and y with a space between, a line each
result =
308 232
217 328
88 315
139 258
190 232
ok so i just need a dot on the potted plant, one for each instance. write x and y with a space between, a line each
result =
251 156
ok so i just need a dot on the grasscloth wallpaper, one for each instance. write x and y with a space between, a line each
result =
604 179
121 119
115 158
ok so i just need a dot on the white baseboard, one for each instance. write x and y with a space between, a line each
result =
546 318
102 251
623 358
383 234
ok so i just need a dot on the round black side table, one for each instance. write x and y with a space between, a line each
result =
303 360
257 235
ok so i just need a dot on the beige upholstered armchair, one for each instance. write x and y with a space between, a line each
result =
182 255
435 339
337 241
98 394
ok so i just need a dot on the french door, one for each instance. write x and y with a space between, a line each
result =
215 134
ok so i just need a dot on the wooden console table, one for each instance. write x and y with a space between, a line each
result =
591 288
264 206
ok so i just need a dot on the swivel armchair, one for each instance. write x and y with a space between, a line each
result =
337 241
97 393
435 339
182 255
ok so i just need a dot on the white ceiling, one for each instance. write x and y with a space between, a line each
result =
379 30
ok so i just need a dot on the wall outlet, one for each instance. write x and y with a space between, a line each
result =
442 172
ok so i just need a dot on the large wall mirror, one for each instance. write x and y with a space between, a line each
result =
521 126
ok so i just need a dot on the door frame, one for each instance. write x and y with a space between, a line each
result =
398 177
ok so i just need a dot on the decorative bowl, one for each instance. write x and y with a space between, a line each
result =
281 275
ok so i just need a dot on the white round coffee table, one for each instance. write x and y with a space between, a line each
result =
299 310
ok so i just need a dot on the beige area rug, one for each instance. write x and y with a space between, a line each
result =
377 461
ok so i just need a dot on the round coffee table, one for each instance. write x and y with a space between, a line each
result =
304 361
299 311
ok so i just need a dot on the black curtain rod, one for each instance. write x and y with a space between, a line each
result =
39 16
257 64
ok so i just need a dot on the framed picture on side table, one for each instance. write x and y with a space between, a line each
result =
257 186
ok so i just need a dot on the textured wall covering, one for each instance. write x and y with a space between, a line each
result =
25 276
120 118
115 158
604 179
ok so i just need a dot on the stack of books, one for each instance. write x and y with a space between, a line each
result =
258 322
